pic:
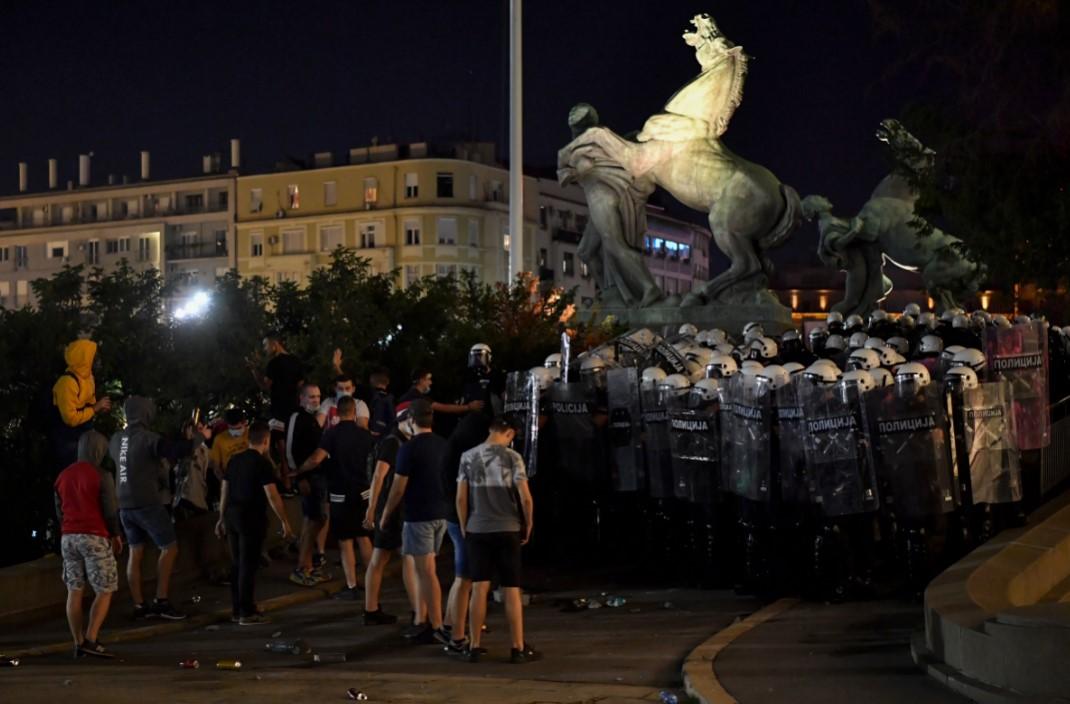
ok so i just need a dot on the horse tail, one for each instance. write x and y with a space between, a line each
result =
790 218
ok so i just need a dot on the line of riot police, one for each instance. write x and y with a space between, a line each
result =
885 448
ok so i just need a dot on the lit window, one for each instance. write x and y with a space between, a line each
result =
256 200
371 191
568 264
330 193
294 195
585 271
144 249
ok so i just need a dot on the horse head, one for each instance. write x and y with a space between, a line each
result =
909 150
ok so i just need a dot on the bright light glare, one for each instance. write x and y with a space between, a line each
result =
195 307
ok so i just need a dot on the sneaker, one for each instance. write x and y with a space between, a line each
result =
257 619
348 594
379 618
142 611
78 654
422 634
525 654
319 560
95 649
164 609
441 636
456 647
320 575
474 654
305 579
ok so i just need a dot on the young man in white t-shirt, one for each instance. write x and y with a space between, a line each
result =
328 412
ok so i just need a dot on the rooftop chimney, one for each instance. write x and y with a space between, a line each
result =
53 174
144 166
24 177
206 164
235 154
111 179
83 170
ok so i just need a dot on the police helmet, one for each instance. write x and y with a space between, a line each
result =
930 344
822 372
750 367
857 340
775 375
544 377
974 359
835 342
793 368
721 366
912 309
962 377
479 355
651 377
882 377
553 361
859 378
899 344
915 372
705 390
864 359
854 320
674 385
688 330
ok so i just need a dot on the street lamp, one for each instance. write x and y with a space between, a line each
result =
194 307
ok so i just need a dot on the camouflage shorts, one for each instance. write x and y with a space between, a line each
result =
85 554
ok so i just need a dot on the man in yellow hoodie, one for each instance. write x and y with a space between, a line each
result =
75 397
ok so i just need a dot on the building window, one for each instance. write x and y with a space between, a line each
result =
673 249
412 274
447 230
5 254
473 233
195 202
412 186
331 238
496 191
293 241
57 250
542 217
293 194
585 271
124 244
144 249
685 253
367 236
223 199
568 264
256 200
92 252
371 191
256 245
22 256
444 184
221 243
445 270
412 233
330 193
543 257
473 187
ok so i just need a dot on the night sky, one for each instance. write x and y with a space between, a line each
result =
180 79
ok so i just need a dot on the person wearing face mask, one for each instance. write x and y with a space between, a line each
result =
303 435
344 387
230 442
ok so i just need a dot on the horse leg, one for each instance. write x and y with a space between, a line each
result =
740 252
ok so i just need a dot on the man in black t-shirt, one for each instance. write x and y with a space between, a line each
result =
421 388
282 379
248 489
387 538
344 451
381 403
303 433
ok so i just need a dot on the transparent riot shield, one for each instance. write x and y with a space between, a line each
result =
668 358
791 446
989 444
694 441
911 438
656 444
1019 354
627 468
522 403
839 461
746 438
578 447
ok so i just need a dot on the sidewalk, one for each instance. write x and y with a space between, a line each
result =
816 653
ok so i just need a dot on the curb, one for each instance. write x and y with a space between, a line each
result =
283 601
700 675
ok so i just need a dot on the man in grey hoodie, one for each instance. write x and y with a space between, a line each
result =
142 487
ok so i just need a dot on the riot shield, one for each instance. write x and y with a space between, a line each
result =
578 447
668 358
693 439
1019 354
656 444
989 437
911 437
746 438
791 432
625 430
838 458
522 402
633 349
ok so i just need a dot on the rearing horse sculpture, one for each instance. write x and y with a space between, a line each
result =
750 210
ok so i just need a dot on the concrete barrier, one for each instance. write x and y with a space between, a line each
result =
34 590
997 623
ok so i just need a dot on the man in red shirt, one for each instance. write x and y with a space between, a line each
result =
89 521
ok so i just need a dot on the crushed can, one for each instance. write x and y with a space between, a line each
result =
291 647
228 665
190 664
6 661
329 657
356 695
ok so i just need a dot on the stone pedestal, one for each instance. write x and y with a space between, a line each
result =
730 317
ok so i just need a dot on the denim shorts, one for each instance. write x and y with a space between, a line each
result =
422 537
460 551
148 523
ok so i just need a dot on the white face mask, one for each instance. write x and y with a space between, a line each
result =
342 394
312 407
235 432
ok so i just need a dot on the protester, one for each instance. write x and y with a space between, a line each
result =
303 435
327 416
89 524
387 538
233 441
382 403
248 489
495 510
470 432
418 482
282 378
346 448
421 388
74 397
142 487
191 484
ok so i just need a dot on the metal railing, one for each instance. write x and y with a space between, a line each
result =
200 250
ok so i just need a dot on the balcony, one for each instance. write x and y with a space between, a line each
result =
148 210
198 250
562 235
